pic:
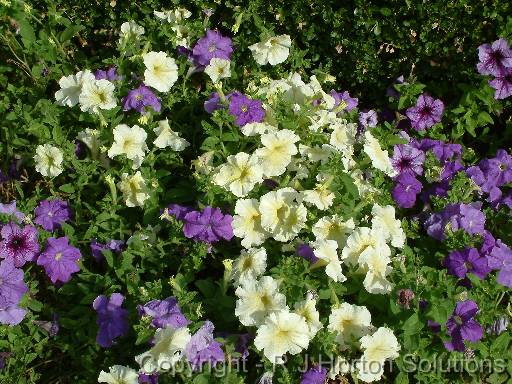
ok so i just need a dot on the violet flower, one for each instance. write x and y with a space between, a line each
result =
202 348
462 326
19 245
164 313
208 226
461 262
140 98
213 44
112 319
315 375
425 113
59 259
495 59
246 110
50 214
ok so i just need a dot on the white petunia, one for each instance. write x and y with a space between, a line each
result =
96 95
343 136
363 241
173 16
379 347
130 142
377 155
247 223
130 30
161 71
280 215
166 137
384 221
48 160
320 119
253 129
278 149
320 196
333 228
257 299
71 87
317 153
249 265
119 374
307 309
341 366
218 69
167 350
274 50
349 322
135 191
376 266
239 174
326 252
282 333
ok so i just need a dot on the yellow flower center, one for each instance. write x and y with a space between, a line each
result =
58 256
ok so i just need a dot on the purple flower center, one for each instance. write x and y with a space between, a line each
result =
58 256
139 97
244 108
468 265
426 111
16 243
458 320
212 48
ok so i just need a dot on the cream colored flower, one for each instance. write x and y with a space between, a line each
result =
343 136
274 51
363 241
278 149
48 160
167 350
96 95
307 309
247 223
333 228
376 265
173 16
377 155
282 333
257 299
71 87
384 221
326 251
130 30
253 129
166 137
379 347
130 142
349 322
280 215
218 69
320 196
119 374
239 174
135 191
90 137
249 265
161 71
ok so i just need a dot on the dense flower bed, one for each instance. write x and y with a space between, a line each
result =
195 211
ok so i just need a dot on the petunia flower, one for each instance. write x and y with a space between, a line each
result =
19 245
462 326
59 259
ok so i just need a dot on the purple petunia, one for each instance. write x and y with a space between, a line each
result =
213 44
148 378
115 246
112 319
140 98
246 110
462 326
307 253
467 217
425 113
12 289
179 211
209 226
164 313
109 74
368 119
407 159
461 262
213 103
500 258
50 214
339 97
406 190
202 348
59 259
10 210
315 375
495 58
502 85
19 245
